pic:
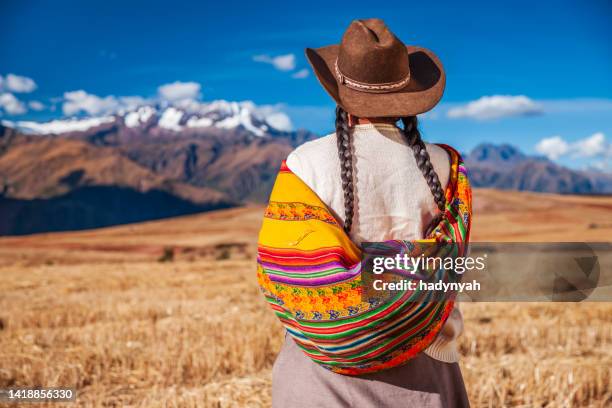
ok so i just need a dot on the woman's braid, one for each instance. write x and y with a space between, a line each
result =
343 137
413 137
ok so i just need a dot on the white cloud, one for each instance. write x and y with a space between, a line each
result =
552 147
281 62
132 102
592 146
280 121
273 115
11 105
18 84
189 105
302 73
177 91
496 106
80 101
36 105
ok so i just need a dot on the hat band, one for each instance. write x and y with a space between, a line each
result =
367 87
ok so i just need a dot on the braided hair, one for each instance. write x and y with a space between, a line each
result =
343 138
413 138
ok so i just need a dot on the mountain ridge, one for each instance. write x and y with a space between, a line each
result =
153 167
136 160
506 167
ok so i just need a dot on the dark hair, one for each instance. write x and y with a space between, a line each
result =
413 138
343 137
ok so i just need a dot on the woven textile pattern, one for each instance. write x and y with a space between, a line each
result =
310 273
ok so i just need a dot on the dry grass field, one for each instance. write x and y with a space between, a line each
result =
167 313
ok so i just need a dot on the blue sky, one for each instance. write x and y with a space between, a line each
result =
546 65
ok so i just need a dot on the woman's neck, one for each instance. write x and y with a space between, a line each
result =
367 121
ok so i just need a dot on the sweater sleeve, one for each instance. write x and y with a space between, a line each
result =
294 163
301 169
444 347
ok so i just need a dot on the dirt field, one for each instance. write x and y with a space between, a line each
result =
167 313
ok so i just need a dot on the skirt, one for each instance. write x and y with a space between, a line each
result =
299 382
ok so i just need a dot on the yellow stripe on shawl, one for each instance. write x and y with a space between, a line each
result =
304 235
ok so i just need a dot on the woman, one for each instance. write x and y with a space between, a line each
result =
370 181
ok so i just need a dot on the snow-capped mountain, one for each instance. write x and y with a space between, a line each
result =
182 116
150 161
156 161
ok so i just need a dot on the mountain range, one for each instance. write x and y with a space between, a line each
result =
149 163
159 161
506 167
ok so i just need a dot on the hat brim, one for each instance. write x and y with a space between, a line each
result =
424 90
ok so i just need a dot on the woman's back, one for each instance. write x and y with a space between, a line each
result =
392 198
380 183
392 201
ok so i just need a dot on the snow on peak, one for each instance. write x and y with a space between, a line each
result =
219 107
139 116
60 125
177 116
171 119
220 110
195 122
242 117
223 115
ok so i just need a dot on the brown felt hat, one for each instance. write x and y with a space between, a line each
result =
371 73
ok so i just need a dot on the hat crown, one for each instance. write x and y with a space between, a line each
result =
370 53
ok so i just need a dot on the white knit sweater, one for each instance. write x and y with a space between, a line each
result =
392 198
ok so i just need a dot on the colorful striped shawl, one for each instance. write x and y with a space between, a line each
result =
310 273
